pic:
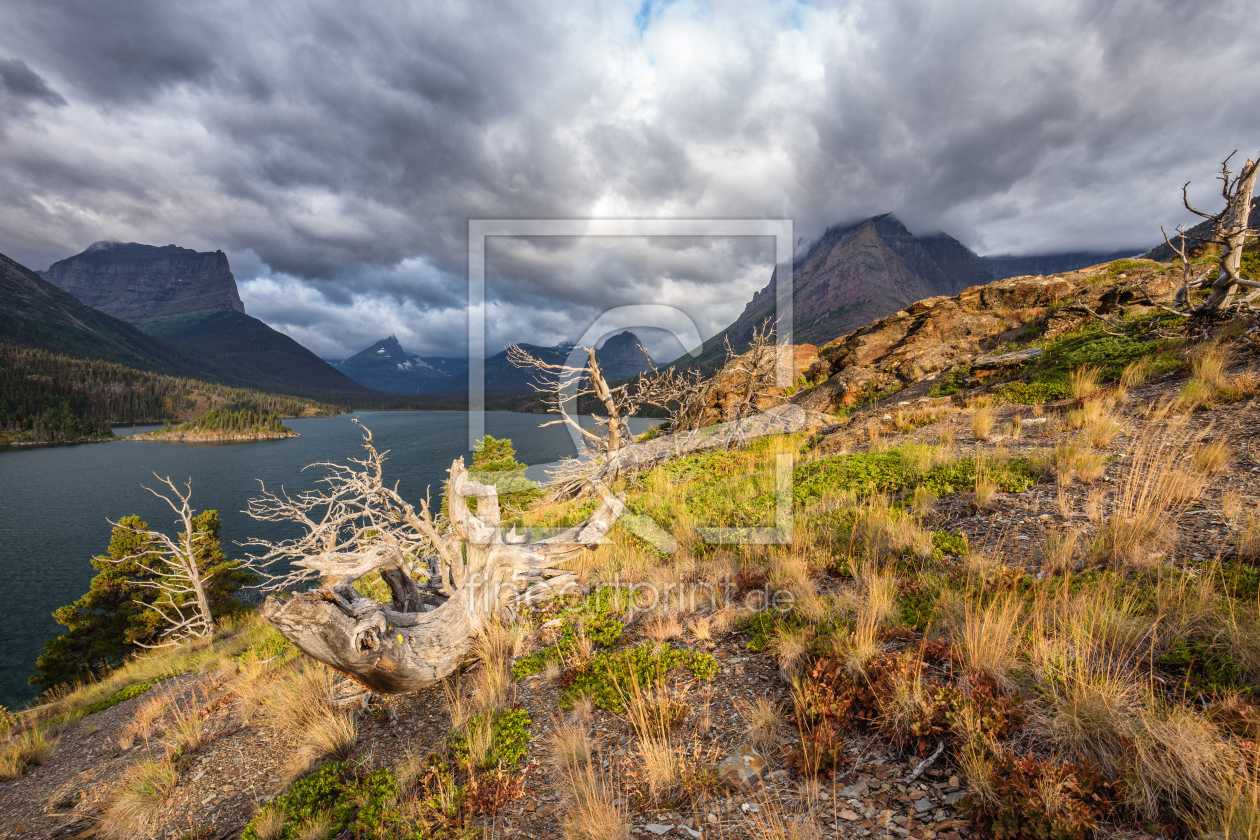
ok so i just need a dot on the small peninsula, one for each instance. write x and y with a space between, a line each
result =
221 426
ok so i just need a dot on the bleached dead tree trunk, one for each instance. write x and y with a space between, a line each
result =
1231 230
357 525
182 601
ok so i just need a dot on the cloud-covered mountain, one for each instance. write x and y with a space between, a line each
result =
852 275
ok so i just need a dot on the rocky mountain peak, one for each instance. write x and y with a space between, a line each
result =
143 284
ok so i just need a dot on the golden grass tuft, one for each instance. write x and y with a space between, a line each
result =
1210 458
762 721
986 640
663 628
299 703
1057 552
269 823
1208 365
982 422
1137 372
1152 492
1247 543
146 788
1084 382
29 747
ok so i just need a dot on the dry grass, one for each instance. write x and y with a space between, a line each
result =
29 747
299 703
1247 543
593 812
269 823
663 628
1084 382
315 827
1152 493
145 723
986 640
906 703
1137 373
982 422
146 788
1057 552
762 721
187 731
791 648
1211 458
1208 365
1090 466
774 824
1231 504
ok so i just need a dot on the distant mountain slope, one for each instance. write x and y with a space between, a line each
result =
853 275
1163 253
248 352
143 283
1002 266
189 299
35 313
385 366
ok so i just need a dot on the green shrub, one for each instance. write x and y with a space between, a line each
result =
953 381
598 619
950 542
511 739
608 674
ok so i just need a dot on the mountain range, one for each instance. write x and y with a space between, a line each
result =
178 311
386 366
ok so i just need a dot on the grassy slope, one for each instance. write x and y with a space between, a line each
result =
1110 660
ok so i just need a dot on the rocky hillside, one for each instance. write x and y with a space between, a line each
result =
934 335
141 284
852 275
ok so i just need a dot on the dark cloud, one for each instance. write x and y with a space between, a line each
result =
337 152
21 82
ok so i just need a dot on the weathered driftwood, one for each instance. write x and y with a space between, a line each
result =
426 631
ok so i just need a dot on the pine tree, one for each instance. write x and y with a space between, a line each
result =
114 619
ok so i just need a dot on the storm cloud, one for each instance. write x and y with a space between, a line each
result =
337 151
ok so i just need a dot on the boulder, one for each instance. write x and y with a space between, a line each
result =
744 770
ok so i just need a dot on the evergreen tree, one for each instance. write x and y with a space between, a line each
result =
113 618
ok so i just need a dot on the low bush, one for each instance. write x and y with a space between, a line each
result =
1032 798
606 676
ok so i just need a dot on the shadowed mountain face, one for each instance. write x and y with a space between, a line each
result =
853 275
189 300
141 284
35 313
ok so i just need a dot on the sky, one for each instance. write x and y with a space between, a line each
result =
336 151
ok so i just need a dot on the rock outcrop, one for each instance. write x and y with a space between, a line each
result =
937 333
145 283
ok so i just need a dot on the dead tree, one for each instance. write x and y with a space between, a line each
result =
471 571
563 384
177 577
1230 230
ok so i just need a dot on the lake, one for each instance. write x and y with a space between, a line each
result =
56 501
